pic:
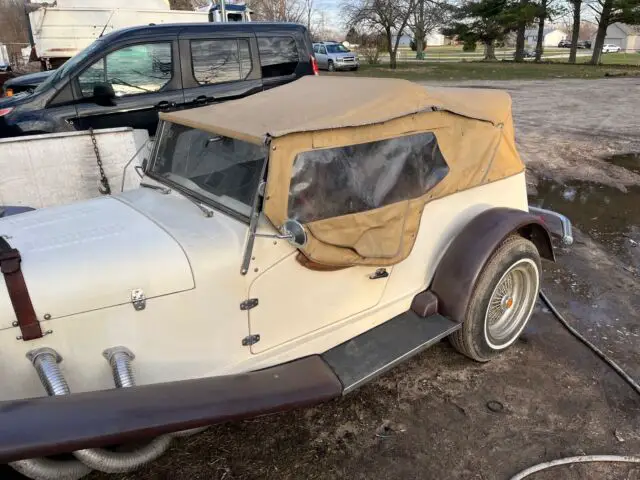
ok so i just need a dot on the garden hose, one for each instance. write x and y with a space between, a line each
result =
618 370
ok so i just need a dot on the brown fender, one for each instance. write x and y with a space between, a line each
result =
470 250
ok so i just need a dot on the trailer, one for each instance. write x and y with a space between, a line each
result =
60 32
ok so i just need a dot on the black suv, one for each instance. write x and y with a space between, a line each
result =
127 77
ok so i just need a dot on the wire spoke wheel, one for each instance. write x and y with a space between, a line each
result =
511 303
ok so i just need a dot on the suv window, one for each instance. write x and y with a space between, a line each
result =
218 61
278 56
332 182
323 50
131 70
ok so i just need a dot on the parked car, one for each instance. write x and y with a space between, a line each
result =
283 250
610 48
334 56
564 44
25 83
127 77
583 44
527 54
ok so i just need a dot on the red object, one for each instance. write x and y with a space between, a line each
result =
314 64
5 111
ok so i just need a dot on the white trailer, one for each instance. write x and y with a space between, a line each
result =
62 31
60 168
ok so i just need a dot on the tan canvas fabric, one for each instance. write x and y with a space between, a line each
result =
474 130
321 103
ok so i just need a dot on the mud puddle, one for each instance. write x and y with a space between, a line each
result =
608 215
630 161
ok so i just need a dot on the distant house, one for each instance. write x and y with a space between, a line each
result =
433 39
626 36
551 38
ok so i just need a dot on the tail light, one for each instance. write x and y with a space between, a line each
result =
5 111
9 92
314 65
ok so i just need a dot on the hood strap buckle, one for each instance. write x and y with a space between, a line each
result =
10 261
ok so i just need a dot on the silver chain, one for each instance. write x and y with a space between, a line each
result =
103 183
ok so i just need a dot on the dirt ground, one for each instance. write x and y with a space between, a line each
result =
441 416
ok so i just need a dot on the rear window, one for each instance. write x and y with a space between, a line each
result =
278 56
332 182
219 61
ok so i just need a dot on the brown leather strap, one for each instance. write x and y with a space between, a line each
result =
10 265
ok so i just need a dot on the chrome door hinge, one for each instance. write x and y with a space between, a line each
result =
250 340
249 304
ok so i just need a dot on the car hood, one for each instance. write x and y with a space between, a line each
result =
29 80
92 255
343 55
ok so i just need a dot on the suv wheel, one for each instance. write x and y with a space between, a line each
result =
331 67
502 301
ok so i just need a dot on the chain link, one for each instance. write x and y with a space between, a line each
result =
104 187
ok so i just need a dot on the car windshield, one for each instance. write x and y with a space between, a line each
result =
68 66
220 171
337 48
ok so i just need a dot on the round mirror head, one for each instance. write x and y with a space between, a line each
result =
295 230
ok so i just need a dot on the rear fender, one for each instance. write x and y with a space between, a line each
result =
466 256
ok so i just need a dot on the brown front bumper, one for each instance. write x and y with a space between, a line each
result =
51 425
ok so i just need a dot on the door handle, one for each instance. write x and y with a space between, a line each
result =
164 105
202 99
379 273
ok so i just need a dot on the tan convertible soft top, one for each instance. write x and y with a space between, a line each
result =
355 160
322 103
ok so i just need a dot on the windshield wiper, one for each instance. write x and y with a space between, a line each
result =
164 190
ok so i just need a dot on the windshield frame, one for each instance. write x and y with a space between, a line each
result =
209 202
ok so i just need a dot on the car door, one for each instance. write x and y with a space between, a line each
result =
322 58
295 301
145 77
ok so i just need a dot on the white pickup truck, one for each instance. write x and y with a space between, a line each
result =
62 31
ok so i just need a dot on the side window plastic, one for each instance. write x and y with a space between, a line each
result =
333 182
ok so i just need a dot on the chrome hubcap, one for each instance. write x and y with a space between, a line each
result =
511 304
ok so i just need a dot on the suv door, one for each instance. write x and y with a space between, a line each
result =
218 66
322 58
145 77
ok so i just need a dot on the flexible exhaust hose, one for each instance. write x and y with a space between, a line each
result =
106 461
46 469
45 361
625 376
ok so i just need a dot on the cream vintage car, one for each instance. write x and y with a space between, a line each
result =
281 251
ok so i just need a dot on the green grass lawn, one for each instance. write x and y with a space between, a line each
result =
615 59
494 71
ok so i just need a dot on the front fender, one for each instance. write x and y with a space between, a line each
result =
470 250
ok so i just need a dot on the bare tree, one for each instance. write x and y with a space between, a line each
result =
389 17
609 12
576 6
426 16
280 10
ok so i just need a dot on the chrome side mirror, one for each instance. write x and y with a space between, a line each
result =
292 231
295 233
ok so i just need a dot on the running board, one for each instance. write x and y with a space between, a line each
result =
376 351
